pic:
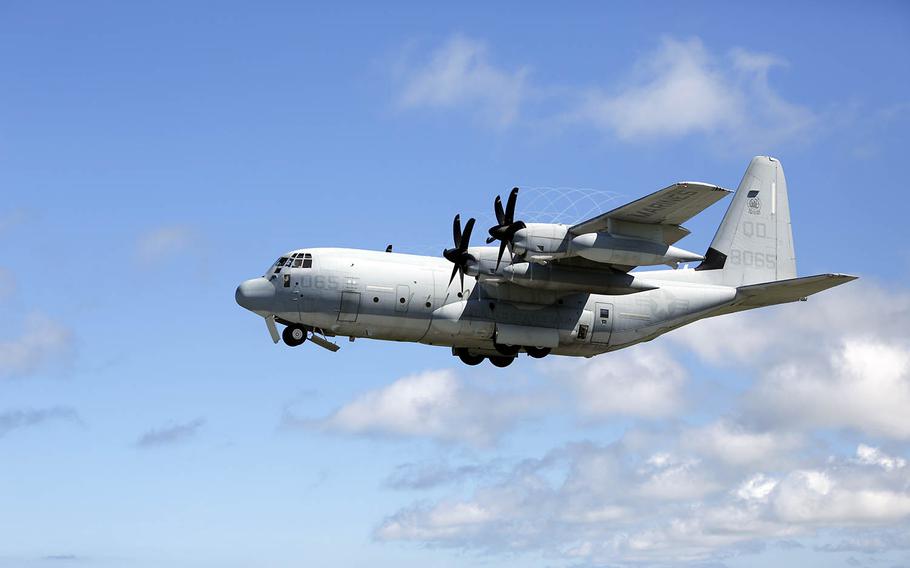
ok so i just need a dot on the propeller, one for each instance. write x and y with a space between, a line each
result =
459 256
507 226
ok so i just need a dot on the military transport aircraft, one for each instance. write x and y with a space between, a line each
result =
561 289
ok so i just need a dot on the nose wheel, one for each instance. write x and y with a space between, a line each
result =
293 335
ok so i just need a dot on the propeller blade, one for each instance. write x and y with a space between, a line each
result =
466 236
490 239
456 230
502 249
452 277
461 277
497 207
510 206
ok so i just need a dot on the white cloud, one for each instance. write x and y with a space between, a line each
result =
43 343
158 244
642 382
459 74
854 373
865 385
432 404
680 89
683 89
733 444
868 455
817 497
756 488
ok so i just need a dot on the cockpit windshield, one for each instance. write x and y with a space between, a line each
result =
296 260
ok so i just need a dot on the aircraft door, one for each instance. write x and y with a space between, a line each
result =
402 298
297 295
603 323
350 306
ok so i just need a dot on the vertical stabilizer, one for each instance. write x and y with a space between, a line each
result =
754 243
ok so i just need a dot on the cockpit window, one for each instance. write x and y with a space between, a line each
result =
295 260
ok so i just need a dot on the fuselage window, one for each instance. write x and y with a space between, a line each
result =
604 313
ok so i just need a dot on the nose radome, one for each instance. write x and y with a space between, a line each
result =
256 295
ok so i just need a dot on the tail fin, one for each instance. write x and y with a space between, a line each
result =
754 243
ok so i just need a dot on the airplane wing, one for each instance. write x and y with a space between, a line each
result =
670 207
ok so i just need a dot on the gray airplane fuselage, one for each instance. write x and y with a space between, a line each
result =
403 297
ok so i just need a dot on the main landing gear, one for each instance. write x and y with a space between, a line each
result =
506 355
469 359
537 352
293 335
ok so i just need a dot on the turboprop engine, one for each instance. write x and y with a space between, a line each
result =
623 243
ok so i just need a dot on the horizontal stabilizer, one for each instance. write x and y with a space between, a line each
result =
783 291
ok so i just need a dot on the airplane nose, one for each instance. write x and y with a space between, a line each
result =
256 295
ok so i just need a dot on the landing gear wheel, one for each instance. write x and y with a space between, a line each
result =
469 359
293 335
501 361
507 350
537 352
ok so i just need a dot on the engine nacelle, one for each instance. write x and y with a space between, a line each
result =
542 241
569 279
604 247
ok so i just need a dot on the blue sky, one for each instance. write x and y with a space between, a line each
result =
152 157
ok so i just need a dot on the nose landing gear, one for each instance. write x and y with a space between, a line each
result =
293 335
